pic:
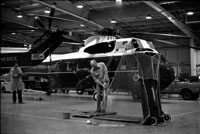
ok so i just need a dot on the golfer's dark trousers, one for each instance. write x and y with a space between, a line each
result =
19 96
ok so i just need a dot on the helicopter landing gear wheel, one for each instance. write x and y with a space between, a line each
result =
95 96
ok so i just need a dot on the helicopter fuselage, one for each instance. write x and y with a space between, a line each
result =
69 69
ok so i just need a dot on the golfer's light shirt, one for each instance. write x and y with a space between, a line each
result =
101 73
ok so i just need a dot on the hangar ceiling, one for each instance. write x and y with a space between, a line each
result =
166 17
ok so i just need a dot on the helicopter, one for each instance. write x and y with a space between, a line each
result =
72 69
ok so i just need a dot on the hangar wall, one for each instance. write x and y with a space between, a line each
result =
198 63
195 60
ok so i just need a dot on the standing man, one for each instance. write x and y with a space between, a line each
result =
16 83
51 83
100 75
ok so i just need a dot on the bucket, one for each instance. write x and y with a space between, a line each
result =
66 115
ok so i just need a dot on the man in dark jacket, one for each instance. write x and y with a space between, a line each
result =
16 82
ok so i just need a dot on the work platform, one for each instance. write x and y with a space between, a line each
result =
120 118
108 115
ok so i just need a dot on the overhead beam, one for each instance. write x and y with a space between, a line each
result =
14 39
192 22
143 22
56 18
188 5
60 7
34 9
19 23
171 18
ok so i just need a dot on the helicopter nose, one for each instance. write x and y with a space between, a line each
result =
166 76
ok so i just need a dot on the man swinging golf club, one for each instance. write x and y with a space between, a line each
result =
100 75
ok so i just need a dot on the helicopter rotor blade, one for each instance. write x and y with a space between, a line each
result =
161 34
175 44
167 42
51 15
74 43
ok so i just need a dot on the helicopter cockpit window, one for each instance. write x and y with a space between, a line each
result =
103 47
134 43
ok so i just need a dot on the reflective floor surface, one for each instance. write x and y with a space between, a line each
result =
43 114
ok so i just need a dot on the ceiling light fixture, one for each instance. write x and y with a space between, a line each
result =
82 25
19 16
79 6
190 13
35 4
118 2
18 8
113 21
46 11
13 33
148 17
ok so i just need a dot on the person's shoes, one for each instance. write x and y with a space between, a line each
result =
14 102
21 103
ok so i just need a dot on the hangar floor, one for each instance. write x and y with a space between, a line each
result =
46 116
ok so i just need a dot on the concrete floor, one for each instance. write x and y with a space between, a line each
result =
46 116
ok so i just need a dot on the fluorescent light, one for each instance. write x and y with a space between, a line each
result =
19 16
79 6
169 2
13 33
113 21
82 25
17 8
190 13
118 2
35 4
148 17
46 11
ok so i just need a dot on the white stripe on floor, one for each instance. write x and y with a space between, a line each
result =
42 117
182 114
